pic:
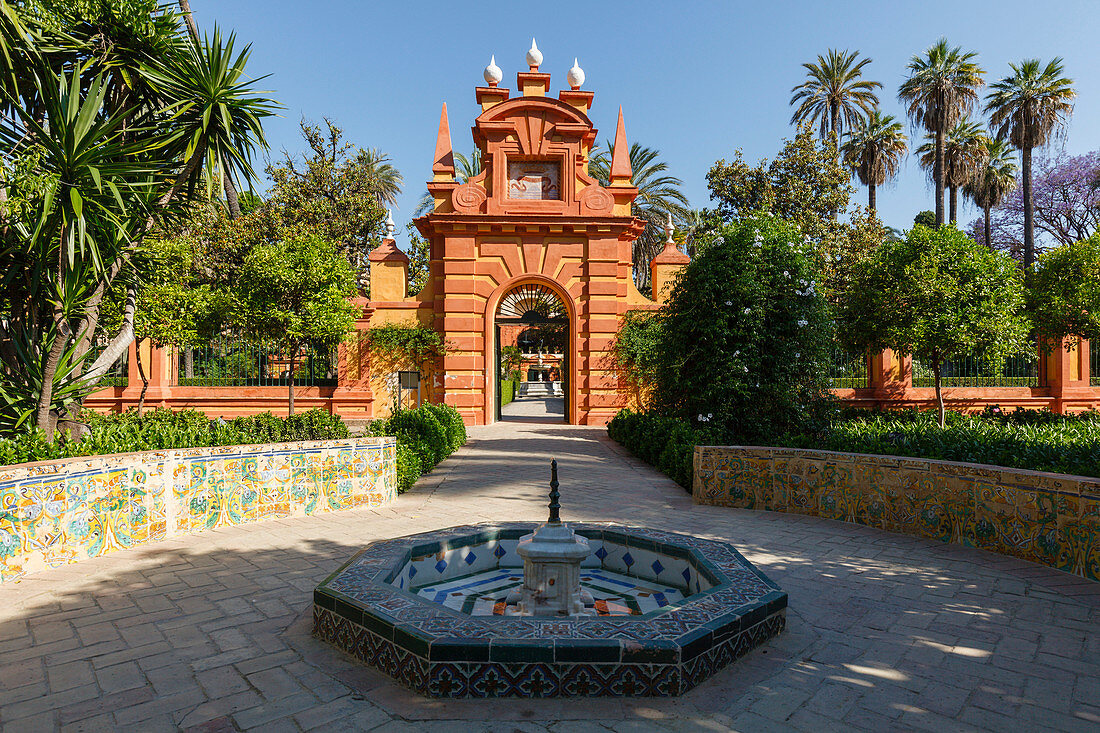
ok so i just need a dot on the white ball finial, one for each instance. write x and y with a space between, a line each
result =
669 229
534 56
390 227
575 77
493 74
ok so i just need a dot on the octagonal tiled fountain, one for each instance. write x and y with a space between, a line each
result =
447 612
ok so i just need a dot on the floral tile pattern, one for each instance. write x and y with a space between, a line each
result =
1052 519
54 513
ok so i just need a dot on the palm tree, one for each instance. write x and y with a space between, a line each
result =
659 196
963 155
465 169
994 180
1027 109
873 150
214 105
835 96
941 89
386 180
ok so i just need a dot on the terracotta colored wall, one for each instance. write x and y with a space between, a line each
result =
1047 518
59 512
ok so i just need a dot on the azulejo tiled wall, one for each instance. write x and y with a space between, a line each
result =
1049 518
59 512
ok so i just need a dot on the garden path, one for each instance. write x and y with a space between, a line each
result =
211 632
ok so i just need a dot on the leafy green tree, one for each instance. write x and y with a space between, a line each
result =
332 193
805 185
835 96
659 196
1028 108
925 219
873 150
941 89
419 252
992 181
745 337
938 295
963 154
1064 291
294 295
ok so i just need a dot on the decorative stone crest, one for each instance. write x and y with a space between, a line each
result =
468 198
596 200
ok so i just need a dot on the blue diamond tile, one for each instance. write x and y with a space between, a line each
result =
471 558
628 560
657 567
412 571
499 552
687 576
601 553
441 566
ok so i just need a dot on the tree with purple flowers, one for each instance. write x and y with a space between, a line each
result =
1066 198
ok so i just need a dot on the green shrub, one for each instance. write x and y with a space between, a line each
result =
425 436
507 391
666 443
163 429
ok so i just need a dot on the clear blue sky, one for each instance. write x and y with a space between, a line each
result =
695 80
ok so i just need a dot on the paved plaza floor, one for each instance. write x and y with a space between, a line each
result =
885 632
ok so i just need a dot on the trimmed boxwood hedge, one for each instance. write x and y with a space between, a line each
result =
1036 440
425 436
161 429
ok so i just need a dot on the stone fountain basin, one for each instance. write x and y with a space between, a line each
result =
394 606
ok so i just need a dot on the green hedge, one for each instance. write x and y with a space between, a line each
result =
161 429
425 436
507 391
663 442
1037 440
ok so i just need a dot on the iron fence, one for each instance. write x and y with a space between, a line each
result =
970 371
848 370
231 363
119 373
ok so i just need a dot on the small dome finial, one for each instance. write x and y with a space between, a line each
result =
669 229
390 227
575 77
493 74
534 56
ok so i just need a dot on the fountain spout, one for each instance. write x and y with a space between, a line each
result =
552 557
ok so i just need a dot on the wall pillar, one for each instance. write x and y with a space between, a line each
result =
1066 369
891 374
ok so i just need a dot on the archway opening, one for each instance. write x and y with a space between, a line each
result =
533 355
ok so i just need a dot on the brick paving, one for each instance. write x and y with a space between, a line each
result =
885 632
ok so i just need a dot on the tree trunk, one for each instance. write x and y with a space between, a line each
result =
189 169
937 365
1029 211
189 362
872 197
989 238
231 197
188 18
290 382
954 192
144 379
119 343
43 418
938 174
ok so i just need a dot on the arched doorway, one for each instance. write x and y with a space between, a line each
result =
533 353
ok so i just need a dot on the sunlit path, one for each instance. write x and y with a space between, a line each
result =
884 631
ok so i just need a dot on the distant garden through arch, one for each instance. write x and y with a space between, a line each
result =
533 357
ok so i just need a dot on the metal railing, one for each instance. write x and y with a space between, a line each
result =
119 373
848 370
230 363
970 371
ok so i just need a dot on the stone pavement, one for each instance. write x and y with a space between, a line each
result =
885 632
